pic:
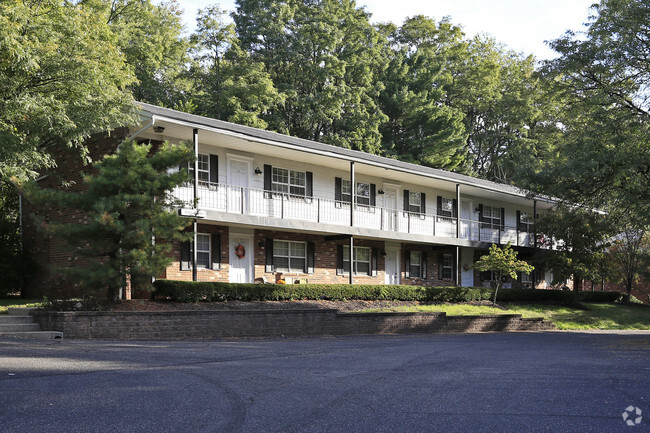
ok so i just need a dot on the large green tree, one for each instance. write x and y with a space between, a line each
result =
227 83
421 127
323 57
62 78
602 156
129 229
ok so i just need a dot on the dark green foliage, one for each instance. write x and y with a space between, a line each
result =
600 297
189 291
126 206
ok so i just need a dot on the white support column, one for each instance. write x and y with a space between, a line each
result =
195 225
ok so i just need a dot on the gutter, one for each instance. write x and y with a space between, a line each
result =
276 143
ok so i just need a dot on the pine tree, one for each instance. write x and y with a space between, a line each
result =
129 227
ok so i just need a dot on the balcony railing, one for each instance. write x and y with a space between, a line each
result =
256 202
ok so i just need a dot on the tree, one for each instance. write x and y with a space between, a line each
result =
629 253
16 262
150 36
127 206
323 57
501 261
227 83
421 128
61 79
602 157
578 237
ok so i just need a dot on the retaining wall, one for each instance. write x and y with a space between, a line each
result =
273 323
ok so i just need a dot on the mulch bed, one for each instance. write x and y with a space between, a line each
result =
147 305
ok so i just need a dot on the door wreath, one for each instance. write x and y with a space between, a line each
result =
240 251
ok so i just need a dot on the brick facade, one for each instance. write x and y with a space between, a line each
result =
48 252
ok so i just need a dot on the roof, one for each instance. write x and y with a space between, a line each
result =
343 153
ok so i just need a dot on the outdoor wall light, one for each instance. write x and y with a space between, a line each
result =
158 129
261 244
383 253
258 171
381 191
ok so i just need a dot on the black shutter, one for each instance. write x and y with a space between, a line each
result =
310 257
373 262
186 260
216 251
440 261
480 213
407 264
455 211
214 169
269 256
439 208
268 173
423 201
339 260
337 189
310 184
423 261
372 194
503 218
518 220
406 200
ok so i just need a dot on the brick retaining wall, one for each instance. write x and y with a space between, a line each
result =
270 323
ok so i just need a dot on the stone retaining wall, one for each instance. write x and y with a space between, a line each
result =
270 323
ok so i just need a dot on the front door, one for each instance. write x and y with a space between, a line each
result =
390 203
465 219
466 261
238 188
241 259
392 266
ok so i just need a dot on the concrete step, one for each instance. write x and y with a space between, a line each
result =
41 335
6 319
19 327
20 311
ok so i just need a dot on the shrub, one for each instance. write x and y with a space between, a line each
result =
601 297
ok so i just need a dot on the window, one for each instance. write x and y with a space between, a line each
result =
290 182
208 252
525 222
203 165
446 266
362 258
415 265
492 215
446 207
289 256
416 202
525 278
491 276
202 251
362 194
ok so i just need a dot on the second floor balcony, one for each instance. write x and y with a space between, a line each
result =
324 212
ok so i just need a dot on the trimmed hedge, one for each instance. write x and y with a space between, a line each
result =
190 291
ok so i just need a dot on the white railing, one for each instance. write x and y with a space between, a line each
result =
256 202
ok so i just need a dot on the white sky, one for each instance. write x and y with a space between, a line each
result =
522 25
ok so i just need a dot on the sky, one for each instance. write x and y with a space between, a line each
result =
522 25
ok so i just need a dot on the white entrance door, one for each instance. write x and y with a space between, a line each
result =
392 266
390 203
238 189
465 219
467 274
241 268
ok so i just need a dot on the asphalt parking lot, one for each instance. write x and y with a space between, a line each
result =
518 382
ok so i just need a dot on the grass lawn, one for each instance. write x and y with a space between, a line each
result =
598 316
17 302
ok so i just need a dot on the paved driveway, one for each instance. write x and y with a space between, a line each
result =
555 382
